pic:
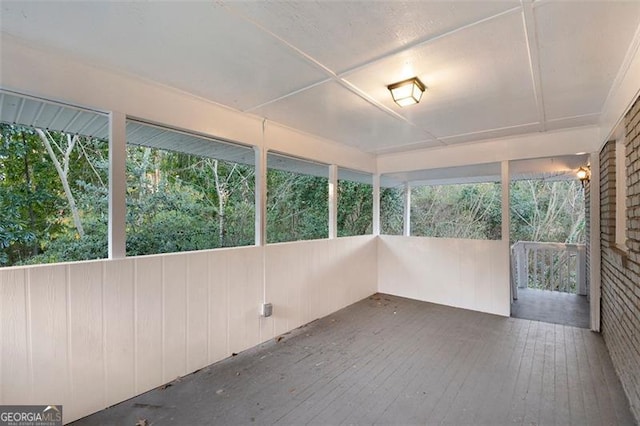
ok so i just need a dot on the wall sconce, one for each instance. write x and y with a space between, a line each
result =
584 174
407 92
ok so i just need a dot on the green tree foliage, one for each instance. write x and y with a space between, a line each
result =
391 211
54 203
297 206
175 202
547 211
35 218
551 211
355 208
179 202
457 211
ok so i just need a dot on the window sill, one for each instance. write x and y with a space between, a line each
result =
619 255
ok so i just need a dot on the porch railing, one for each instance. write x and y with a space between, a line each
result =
548 266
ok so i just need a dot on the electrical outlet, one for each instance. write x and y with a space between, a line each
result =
266 310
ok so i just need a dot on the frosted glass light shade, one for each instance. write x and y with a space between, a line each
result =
583 174
407 92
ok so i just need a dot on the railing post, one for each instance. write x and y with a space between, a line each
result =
562 261
535 267
550 266
552 279
582 269
515 276
522 264
548 255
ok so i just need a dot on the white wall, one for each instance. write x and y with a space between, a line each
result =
470 274
311 279
90 334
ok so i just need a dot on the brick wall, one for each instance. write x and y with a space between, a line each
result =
620 305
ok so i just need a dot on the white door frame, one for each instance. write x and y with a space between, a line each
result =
594 243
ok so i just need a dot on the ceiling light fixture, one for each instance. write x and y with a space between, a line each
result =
407 92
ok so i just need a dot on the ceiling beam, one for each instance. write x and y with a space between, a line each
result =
531 34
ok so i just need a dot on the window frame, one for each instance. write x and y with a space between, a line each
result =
326 174
354 173
195 145
35 113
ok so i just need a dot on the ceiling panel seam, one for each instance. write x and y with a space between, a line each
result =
496 129
332 77
573 117
301 53
427 41
354 89
338 77
531 37
295 92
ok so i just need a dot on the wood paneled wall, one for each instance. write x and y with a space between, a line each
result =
470 274
90 334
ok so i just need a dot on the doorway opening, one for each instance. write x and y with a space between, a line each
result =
548 251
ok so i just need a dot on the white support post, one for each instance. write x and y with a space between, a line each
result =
260 195
376 204
407 210
333 201
506 181
117 185
594 242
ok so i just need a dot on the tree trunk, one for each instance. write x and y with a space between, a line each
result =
27 177
221 203
62 173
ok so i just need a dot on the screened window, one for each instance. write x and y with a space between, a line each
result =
457 211
355 203
54 175
186 192
297 199
547 210
391 206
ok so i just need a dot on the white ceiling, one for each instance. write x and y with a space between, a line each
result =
493 68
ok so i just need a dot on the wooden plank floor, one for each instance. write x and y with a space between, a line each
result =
551 306
389 360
